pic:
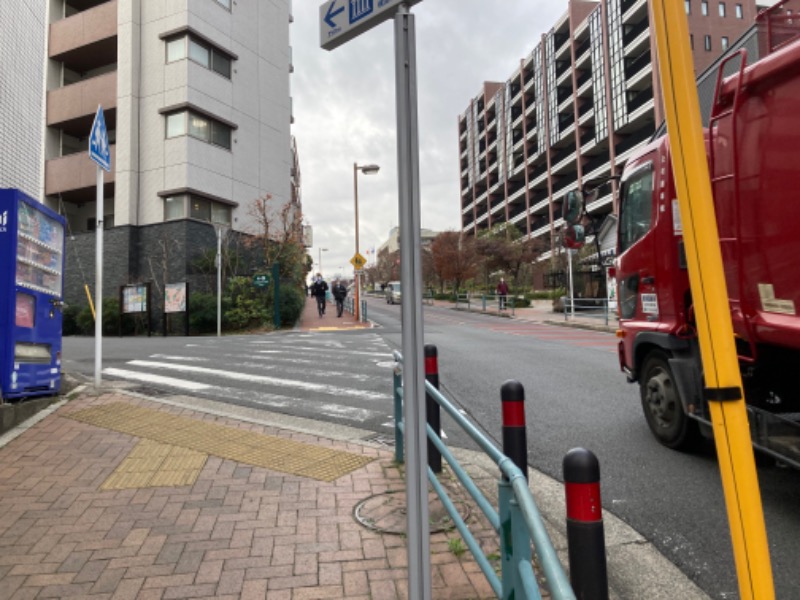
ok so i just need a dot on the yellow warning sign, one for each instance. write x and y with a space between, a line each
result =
358 261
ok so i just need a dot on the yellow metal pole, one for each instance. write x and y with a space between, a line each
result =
89 296
720 364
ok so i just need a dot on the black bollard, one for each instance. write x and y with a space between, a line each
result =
432 410
515 441
585 537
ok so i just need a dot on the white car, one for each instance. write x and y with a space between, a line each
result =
393 293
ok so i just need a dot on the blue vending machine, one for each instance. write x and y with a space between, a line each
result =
31 294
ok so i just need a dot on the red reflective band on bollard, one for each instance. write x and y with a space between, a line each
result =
431 365
513 414
583 501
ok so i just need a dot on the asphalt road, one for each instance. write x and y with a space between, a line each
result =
575 396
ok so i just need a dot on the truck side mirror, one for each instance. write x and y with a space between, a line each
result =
572 207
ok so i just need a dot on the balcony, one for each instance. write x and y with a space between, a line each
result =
86 40
75 177
72 108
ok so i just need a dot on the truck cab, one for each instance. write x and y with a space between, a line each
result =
753 149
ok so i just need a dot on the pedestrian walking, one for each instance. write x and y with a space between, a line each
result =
502 292
319 290
339 294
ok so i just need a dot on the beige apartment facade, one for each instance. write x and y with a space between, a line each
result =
196 97
574 110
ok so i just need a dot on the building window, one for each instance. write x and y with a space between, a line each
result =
724 43
704 8
187 122
196 207
204 54
691 40
739 12
688 5
722 10
174 207
707 42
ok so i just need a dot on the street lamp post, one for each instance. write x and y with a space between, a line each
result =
319 263
367 170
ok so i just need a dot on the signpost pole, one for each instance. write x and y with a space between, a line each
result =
419 572
100 153
98 284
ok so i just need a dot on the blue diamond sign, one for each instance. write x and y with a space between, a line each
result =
99 150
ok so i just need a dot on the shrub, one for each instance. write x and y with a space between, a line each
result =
202 313
521 302
292 301
246 305
70 320
84 320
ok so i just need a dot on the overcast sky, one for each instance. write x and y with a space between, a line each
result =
344 109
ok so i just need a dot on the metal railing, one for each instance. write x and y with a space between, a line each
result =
593 308
349 307
486 303
516 520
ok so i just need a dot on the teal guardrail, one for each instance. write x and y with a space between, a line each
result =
486 303
516 520
595 308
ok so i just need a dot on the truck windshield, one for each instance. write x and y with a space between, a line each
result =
636 207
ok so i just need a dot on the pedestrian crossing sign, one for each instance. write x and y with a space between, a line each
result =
99 150
358 261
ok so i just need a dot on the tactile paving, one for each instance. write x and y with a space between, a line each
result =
248 447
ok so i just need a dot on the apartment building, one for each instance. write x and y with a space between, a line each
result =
575 109
197 103
22 43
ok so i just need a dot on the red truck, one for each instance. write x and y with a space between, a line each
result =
753 147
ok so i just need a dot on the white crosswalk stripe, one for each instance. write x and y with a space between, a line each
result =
347 379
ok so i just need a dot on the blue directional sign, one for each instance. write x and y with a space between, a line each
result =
99 150
342 20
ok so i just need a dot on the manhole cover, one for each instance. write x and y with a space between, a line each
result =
386 513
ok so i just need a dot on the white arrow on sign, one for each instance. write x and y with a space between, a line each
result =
342 20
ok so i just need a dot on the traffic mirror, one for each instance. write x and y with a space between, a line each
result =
572 207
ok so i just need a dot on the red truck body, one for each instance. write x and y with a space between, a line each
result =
753 144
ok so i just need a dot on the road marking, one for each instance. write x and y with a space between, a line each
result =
158 379
292 383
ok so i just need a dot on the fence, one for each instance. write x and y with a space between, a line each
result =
349 306
485 303
517 519
595 308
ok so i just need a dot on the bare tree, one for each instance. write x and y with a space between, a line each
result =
278 236
454 257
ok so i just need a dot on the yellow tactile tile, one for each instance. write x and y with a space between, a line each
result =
152 464
188 434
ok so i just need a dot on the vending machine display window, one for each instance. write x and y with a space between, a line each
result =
26 309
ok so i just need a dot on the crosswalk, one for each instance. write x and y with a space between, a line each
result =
347 379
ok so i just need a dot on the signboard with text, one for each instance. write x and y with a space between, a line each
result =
342 20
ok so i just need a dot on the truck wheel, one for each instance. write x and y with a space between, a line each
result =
662 404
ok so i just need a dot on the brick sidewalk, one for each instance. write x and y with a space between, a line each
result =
311 321
237 531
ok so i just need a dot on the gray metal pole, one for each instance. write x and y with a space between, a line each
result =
419 569
98 302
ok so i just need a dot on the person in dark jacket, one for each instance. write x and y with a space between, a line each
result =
339 294
319 289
